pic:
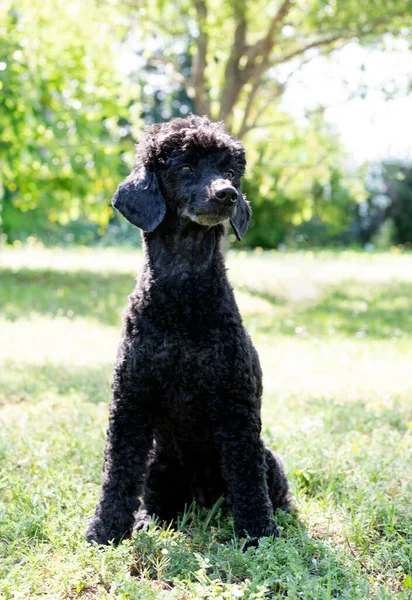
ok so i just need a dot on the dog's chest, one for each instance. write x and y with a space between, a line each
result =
197 365
193 369
194 373
184 410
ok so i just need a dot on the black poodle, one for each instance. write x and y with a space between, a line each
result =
185 421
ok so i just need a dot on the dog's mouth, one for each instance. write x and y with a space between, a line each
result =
208 219
213 215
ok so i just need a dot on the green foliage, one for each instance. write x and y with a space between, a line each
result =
68 112
297 188
64 112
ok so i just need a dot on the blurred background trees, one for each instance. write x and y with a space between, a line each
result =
66 114
78 80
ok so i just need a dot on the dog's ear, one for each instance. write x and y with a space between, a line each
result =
140 200
241 219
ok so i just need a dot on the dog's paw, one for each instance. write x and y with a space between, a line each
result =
255 532
98 532
95 532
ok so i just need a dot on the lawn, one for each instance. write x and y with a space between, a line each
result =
334 334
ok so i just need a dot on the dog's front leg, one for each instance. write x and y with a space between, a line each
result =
129 439
243 467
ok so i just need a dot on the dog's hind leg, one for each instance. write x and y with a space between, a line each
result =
277 483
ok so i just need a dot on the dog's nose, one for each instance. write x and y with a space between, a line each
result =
226 195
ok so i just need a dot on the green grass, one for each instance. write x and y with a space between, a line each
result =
334 333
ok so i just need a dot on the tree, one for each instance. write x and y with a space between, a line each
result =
237 46
295 182
64 111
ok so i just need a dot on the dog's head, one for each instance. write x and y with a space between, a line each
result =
189 169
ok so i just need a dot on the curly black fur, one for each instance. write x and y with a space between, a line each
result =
185 416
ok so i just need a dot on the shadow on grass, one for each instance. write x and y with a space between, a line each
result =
376 312
353 309
88 294
32 383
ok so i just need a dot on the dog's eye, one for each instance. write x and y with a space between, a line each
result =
185 169
229 173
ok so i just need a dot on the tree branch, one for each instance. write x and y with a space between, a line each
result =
345 35
245 126
315 44
234 79
243 129
199 61
265 44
